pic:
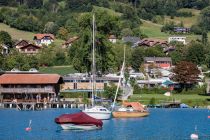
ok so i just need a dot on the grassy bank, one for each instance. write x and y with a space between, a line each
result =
15 33
190 99
62 70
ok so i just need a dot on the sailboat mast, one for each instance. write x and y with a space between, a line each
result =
121 76
93 65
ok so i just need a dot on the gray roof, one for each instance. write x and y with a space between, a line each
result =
157 59
89 78
131 39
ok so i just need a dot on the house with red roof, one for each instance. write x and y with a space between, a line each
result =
24 87
43 39
160 62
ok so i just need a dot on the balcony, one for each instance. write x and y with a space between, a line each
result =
27 90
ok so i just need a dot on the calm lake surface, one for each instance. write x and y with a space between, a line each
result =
162 124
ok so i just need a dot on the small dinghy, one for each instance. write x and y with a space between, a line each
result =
78 121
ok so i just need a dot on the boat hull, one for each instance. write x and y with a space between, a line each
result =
99 115
126 114
70 126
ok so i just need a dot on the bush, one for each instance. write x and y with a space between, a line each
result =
168 27
196 29
145 90
162 90
184 14
195 90
152 101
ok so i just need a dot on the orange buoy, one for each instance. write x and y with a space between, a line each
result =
208 117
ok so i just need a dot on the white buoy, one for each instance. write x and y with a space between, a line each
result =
194 136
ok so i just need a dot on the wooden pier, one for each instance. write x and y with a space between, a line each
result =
41 105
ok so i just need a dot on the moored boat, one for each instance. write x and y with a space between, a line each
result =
98 112
78 121
130 110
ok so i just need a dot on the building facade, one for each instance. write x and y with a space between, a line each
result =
84 84
177 38
25 87
29 49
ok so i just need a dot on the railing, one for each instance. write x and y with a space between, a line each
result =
26 90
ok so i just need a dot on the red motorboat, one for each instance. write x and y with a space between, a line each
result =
78 121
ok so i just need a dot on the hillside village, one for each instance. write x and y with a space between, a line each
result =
151 62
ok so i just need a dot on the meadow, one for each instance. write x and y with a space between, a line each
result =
190 99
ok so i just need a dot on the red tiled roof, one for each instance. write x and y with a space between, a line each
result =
30 79
40 36
152 42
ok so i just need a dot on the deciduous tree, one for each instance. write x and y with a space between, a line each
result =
5 38
186 73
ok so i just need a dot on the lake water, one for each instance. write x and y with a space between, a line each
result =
162 124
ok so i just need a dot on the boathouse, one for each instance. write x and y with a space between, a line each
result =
28 87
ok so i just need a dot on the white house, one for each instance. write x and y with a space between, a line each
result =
113 38
45 39
177 38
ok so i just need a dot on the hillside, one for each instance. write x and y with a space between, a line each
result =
68 15
20 34
187 21
15 33
153 30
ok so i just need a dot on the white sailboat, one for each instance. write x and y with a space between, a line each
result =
129 109
97 112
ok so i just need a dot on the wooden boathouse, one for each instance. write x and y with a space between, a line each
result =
29 90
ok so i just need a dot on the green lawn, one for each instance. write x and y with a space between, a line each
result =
153 30
62 70
193 99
